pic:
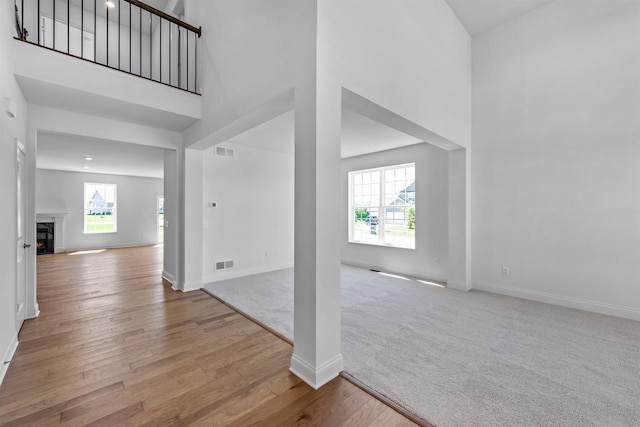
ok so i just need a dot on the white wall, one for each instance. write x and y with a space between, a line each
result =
250 52
58 191
411 57
253 221
556 156
10 129
431 215
99 33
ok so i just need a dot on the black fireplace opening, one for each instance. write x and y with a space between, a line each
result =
45 232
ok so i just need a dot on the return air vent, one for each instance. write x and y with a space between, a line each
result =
223 265
225 152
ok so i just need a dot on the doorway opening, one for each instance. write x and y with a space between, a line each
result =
160 219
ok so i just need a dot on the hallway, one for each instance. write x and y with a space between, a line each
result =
115 346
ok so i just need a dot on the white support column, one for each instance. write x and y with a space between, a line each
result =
459 220
193 206
316 352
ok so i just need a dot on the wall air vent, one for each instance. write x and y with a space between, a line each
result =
223 265
225 152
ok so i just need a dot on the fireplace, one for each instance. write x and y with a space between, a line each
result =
45 237
50 233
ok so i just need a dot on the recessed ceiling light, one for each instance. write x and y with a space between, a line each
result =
110 4
88 158
86 167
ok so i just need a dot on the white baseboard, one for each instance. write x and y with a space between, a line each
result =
422 275
188 286
7 355
580 304
458 286
168 277
316 377
33 312
97 248
233 274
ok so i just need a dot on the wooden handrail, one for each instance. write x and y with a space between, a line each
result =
166 16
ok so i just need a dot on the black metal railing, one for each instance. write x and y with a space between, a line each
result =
127 35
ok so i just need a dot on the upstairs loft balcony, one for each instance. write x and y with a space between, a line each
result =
126 35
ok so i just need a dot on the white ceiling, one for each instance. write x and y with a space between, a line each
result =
66 152
360 135
478 16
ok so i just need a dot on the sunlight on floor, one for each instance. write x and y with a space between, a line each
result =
431 283
94 251
159 245
393 275
397 276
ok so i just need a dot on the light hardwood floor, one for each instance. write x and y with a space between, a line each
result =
115 346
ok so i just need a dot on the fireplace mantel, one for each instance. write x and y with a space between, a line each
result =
58 236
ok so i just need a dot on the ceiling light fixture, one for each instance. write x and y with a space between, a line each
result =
110 4
88 158
86 167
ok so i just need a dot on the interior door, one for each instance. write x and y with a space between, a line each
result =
22 246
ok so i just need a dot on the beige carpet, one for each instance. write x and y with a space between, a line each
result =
469 359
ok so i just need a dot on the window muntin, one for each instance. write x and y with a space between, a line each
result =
382 206
100 208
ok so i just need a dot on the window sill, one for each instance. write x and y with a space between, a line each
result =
382 245
99 232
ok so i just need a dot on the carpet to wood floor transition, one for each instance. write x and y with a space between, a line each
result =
469 359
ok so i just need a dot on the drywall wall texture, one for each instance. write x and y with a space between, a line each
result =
556 156
252 222
10 130
253 51
431 215
422 72
137 198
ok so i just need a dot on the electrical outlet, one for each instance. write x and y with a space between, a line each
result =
436 261
505 270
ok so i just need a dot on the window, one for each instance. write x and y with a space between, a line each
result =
100 208
382 206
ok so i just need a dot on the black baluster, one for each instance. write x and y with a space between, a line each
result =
95 31
68 28
107 36
82 29
119 25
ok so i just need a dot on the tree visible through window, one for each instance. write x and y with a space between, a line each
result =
100 208
382 206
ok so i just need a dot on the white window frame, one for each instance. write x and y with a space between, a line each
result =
381 207
86 208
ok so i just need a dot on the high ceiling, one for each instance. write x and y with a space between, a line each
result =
478 16
67 152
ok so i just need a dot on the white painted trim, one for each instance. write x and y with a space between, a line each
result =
97 248
168 277
7 355
188 286
414 274
235 273
580 304
458 286
33 312
316 377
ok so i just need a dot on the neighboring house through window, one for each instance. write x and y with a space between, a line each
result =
100 208
382 206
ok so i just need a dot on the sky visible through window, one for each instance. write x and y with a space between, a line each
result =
100 208
382 206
